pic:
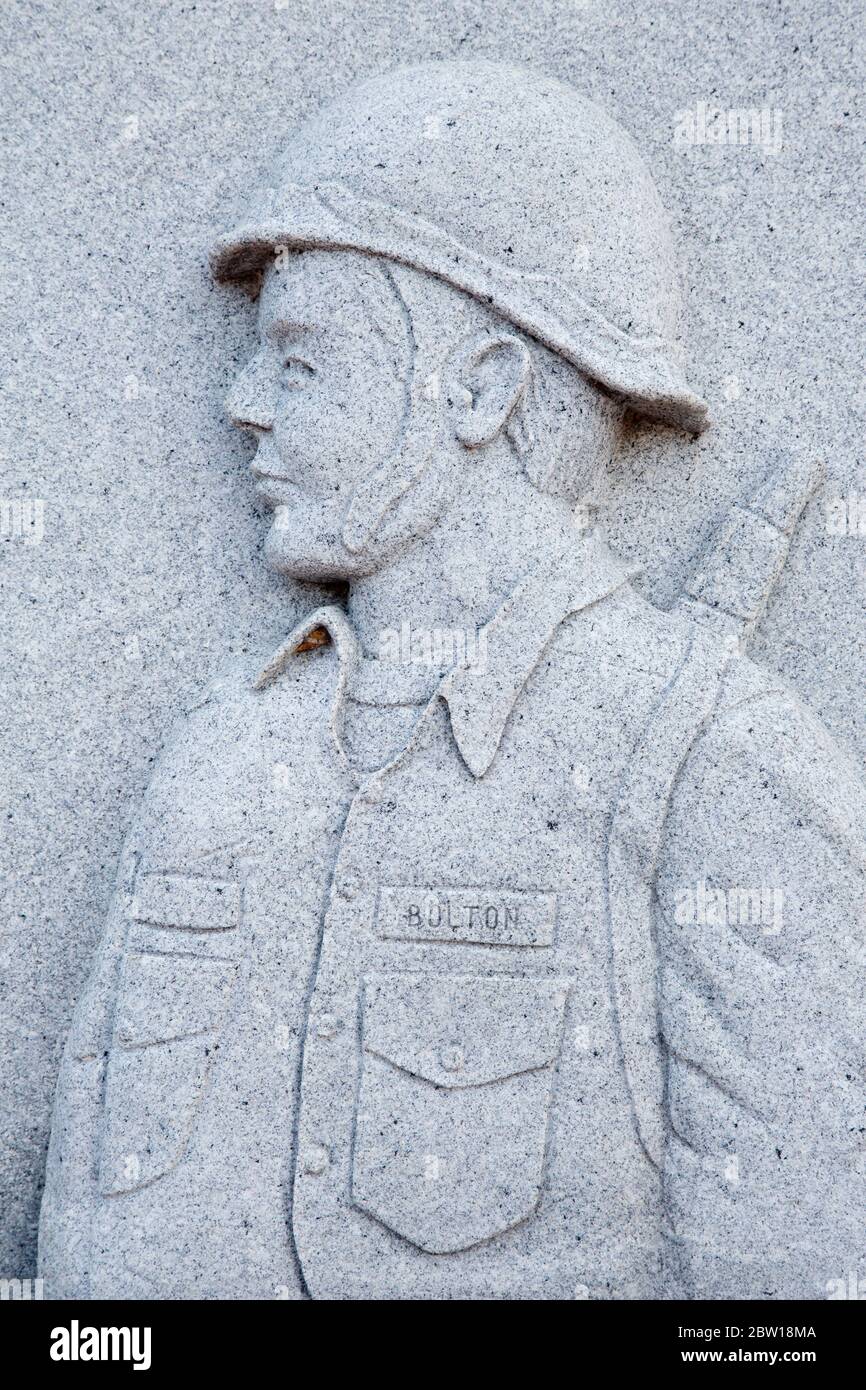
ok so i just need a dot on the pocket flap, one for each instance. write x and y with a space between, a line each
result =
198 904
464 1030
163 998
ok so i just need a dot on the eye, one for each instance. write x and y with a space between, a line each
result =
297 371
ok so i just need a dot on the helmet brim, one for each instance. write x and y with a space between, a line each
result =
643 372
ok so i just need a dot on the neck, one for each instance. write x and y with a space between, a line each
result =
495 533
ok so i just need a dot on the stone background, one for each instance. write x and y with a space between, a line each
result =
130 134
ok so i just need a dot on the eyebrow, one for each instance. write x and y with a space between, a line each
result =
291 327
288 328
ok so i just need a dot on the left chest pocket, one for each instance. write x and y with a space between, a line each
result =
451 1127
169 1015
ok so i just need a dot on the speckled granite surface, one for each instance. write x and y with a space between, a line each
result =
135 139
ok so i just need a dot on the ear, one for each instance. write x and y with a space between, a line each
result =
488 378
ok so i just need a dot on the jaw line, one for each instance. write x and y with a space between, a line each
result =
315 552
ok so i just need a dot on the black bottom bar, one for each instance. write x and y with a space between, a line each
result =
235 1338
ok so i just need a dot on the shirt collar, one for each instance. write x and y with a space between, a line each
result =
480 694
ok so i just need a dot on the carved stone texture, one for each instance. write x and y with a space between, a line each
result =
499 935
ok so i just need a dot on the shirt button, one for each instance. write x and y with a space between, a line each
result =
348 887
327 1026
316 1159
451 1058
373 790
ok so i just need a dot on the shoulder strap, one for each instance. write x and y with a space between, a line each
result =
634 844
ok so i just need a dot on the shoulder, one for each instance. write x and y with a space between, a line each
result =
239 757
303 680
765 795
230 713
622 652
763 737
762 866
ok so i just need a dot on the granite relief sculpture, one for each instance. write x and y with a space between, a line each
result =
527 971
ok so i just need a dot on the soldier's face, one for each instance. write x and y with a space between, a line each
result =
324 398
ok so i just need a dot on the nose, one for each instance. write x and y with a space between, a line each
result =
249 403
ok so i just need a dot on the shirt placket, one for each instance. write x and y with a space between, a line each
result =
332 1029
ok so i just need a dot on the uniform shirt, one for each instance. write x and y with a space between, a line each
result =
488 1020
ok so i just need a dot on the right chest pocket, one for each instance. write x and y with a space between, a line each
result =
173 993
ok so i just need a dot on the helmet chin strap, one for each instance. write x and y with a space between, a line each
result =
411 484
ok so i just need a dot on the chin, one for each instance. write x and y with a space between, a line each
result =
311 549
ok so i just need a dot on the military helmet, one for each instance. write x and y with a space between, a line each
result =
512 187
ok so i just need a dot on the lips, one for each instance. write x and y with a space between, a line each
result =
275 492
271 486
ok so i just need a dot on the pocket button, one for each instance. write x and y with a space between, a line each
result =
372 791
327 1026
316 1160
451 1058
348 887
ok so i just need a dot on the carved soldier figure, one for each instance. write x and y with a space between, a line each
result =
530 975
